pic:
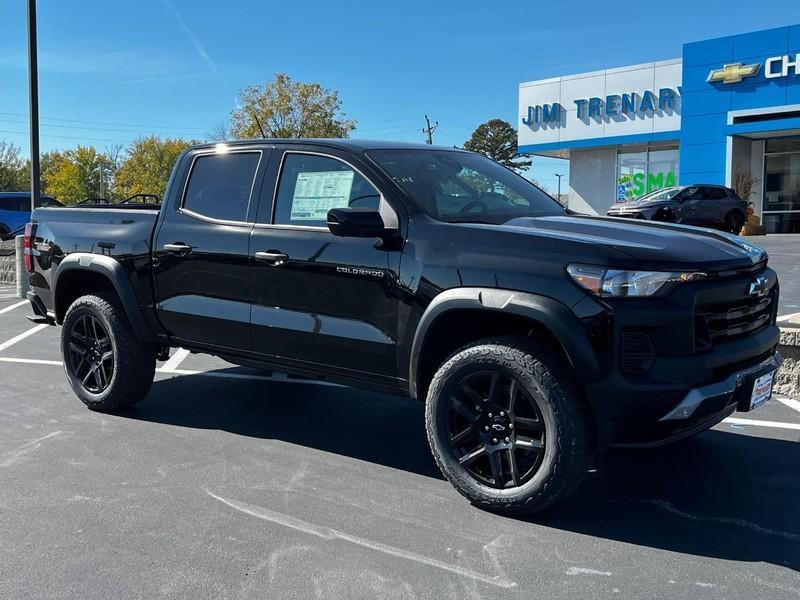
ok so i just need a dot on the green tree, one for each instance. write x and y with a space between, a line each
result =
289 109
497 139
147 166
14 170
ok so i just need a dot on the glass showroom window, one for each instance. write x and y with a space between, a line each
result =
641 172
781 208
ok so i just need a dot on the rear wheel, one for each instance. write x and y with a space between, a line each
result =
734 222
506 426
107 366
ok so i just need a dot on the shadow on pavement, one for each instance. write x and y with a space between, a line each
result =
383 429
719 495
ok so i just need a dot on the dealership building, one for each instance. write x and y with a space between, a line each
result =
726 112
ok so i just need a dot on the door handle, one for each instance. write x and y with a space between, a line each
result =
274 258
178 248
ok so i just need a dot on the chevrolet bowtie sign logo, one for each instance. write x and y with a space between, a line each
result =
733 73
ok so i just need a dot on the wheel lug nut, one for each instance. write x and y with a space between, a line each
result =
511 426
490 415
486 428
494 440
508 440
478 408
502 414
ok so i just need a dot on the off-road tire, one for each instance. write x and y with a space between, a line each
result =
546 377
134 361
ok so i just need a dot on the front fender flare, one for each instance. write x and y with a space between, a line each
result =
562 323
112 270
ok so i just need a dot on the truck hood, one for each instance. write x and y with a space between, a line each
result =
647 244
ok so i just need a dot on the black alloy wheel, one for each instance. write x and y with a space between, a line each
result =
91 354
495 429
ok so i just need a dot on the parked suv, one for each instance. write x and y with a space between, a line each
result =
713 206
535 337
15 211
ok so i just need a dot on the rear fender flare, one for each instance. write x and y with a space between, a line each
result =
112 270
556 317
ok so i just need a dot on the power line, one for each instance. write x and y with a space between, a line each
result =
88 128
106 123
70 137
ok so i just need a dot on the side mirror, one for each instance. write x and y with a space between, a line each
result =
356 222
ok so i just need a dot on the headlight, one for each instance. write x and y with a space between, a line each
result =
618 283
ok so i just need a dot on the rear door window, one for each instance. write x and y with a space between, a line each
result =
715 194
220 185
14 204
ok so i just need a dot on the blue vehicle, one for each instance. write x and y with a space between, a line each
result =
15 210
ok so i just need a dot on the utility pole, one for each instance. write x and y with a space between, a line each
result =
33 86
558 197
429 129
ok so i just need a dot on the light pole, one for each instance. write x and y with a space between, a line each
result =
558 197
33 87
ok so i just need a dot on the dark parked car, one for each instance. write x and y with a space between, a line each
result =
534 336
713 206
15 211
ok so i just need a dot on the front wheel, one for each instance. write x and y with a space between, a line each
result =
507 427
107 366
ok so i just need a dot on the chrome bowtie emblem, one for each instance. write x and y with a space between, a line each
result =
758 287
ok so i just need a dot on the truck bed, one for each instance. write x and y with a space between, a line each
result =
124 233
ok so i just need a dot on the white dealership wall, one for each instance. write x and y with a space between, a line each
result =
591 143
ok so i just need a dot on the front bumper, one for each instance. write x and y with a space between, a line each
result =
730 390
684 390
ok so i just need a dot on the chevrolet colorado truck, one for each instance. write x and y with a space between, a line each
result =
536 337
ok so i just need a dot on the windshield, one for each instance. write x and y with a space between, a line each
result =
464 187
658 195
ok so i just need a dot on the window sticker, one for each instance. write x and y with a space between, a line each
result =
315 193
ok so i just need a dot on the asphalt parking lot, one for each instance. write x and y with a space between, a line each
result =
784 252
231 483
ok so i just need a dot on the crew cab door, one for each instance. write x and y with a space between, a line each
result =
201 251
323 302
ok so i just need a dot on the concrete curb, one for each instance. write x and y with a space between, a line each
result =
787 381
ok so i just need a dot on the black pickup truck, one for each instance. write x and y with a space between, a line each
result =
536 337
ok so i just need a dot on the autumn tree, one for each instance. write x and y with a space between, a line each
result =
74 175
497 139
14 171
284 108
147 166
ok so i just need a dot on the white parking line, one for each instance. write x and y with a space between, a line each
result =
788 402
22 336
785 318
31 361
13 306
174 361
281 377
775 424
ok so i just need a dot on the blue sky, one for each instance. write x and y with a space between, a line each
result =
111 71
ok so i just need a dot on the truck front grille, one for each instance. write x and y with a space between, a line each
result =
725 321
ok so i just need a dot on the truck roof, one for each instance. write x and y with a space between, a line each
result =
343 143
